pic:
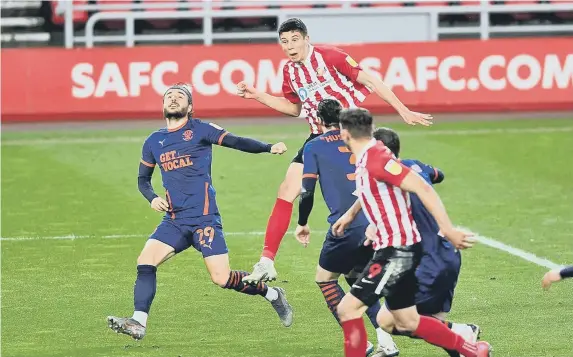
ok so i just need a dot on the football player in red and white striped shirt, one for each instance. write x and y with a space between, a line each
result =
383 185
313 73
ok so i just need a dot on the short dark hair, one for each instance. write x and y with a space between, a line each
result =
390 138
293 24
329 111
357 121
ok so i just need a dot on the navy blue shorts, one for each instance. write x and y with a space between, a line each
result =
204 233
437 277
343 254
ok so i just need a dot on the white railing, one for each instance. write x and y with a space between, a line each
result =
207 10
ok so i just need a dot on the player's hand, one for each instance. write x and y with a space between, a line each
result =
414 118
370 234
549 278
246 91
302 234
159 204
278 148
340 225
459 239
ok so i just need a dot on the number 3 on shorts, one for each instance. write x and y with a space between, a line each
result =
351 160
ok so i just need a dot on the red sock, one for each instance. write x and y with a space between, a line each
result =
437 333
277 227
355 338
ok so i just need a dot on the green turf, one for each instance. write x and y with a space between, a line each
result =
508 180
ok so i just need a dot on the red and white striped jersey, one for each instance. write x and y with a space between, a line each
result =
327 73
378 178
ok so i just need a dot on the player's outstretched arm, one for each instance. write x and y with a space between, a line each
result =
251 145
414 183
280 104
383 91
556 275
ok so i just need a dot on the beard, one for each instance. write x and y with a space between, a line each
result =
175 113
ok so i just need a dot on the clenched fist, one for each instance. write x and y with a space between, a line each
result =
246 91
278 148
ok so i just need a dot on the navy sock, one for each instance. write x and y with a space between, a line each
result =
145 287
235 282
333 294
373 310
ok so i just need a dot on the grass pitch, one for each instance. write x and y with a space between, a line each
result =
510 180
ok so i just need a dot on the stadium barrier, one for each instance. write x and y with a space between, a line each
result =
127 83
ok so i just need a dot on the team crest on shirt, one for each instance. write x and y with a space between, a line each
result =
320 71
302 93
351 61
393 167
187 135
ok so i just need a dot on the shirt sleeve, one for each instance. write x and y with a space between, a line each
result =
435 174
310 168
385 168
214 134
343 63
147 158
288 90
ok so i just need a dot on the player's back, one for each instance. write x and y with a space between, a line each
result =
335 168
184 155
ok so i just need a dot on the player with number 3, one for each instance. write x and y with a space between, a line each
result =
328 160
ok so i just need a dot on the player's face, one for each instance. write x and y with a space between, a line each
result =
294 45
175 104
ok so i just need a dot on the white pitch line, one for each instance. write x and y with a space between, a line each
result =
490 242
530 257
140 139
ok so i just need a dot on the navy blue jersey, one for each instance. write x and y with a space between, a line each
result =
328 158
427 225
184 157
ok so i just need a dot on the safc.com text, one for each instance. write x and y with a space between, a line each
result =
418 74
494 73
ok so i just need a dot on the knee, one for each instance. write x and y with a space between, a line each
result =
407 325
220 279
145 258
289 190
346 311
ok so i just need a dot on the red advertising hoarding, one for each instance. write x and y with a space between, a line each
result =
124 83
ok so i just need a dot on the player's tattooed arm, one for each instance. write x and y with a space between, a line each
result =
280 104
383 91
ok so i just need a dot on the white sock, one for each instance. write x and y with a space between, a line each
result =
272 294
460 328
266 260
140 317
384 338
